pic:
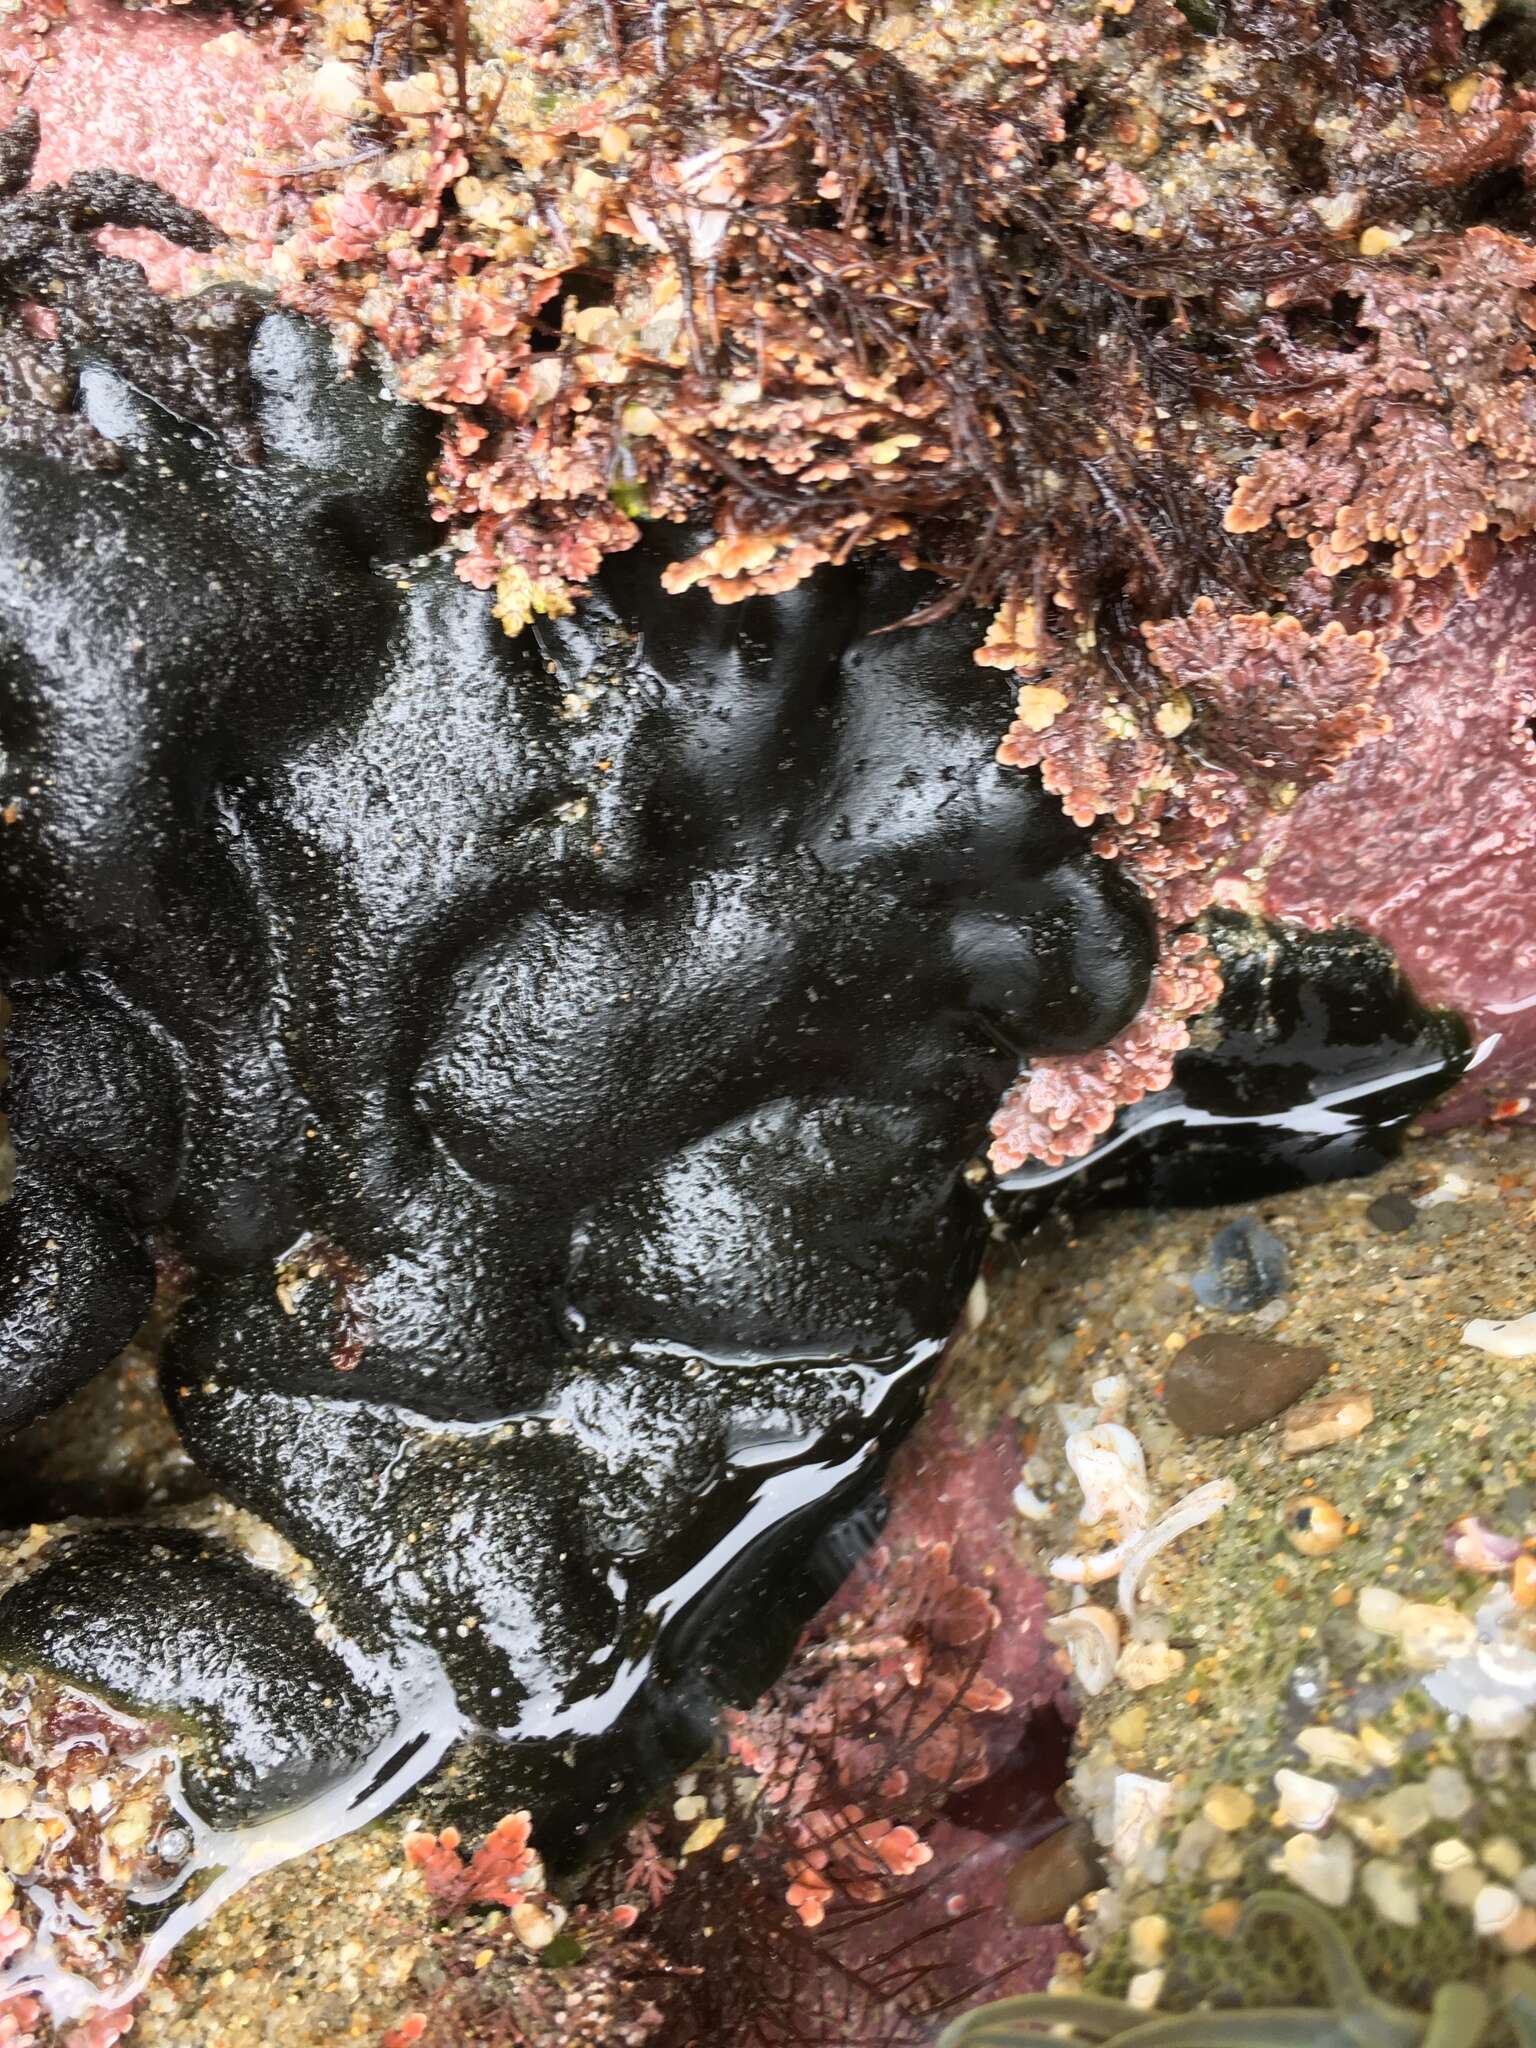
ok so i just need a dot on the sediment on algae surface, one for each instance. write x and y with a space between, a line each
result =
645 650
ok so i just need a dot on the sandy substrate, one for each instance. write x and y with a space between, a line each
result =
1328 1683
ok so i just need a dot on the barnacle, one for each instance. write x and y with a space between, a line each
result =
1353 2018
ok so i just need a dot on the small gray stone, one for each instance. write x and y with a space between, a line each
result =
1054 1875
1223 1383
1247 1267
1392 1212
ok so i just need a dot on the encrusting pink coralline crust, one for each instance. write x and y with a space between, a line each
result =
1447 871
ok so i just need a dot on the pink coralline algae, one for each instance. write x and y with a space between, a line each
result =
914 1695
178 98
110 1774
501 1871
1429 837
24 2025
1277 707
20 2017
1058 1107
877 1719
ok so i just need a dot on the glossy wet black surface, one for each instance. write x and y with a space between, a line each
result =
1312 1067
553 1062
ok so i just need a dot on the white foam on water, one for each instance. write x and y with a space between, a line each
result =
428 1724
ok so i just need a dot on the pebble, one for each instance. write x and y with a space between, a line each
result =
1223 1383
1382 1750
1494 1909
1053 1876
1392 1891
1138 1809
1128 1730
1145 1989
1503 1857
704 1836
21 1843
534 1925
1450 1796
1228 1807
1380 1610
1391 1213
1196 1840
1433 1633
1305 1803
1148 1939
1321 1866
1246 1268
1451 1855
1142 1665
1405 1811
1317 1424
1333 1746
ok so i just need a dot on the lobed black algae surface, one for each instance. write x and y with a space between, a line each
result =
548 1069
1312 1067
535 1086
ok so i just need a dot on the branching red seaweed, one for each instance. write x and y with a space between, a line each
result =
1041 308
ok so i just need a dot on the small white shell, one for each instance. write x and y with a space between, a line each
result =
1027 1502
1112 1472
1091 1570
1189 1513
1515 1339
1305 1803
1138 1808
1091 1638
1143 1665
1323 1868
1495 1908
1451 1189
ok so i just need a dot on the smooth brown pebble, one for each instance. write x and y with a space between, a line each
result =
1054 1875
1223 1383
